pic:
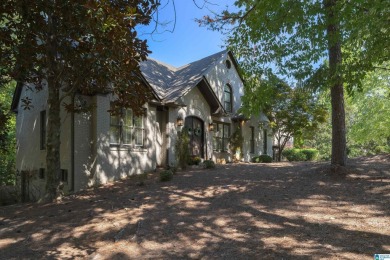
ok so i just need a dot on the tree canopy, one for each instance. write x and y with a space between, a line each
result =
7 136
297 36
292 111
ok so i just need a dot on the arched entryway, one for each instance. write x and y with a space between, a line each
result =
195 128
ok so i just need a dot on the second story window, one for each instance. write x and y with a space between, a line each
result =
227 96
127 129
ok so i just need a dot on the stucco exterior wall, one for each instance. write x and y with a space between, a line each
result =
197 106
29 155
83 146
258 138
113 162
220 75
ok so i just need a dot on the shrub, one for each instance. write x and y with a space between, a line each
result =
181 148
194 160
382 149
265 158
300 154
262 159
255 159
311 154
166 175
294 155
208 164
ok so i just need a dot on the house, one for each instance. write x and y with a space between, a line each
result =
202 97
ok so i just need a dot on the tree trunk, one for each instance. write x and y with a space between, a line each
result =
53 142
339 155
53 163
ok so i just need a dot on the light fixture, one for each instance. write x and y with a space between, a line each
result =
179 121
263 124
211 127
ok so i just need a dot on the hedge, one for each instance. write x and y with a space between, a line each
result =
301 154
262 159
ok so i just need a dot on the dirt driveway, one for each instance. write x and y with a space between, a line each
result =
238 211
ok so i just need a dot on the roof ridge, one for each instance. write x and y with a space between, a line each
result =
207 57
173 68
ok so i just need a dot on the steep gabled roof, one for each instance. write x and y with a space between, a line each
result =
171 83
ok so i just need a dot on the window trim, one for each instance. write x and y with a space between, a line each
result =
229 103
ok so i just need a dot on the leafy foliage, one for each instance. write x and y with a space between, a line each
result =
291 111
262 159
367 119
209 164
297 36
236 141
194 160
301 154
370 109
7 137
181 148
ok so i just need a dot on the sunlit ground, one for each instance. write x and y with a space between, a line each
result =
245 211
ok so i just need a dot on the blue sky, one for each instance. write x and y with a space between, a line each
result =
188 42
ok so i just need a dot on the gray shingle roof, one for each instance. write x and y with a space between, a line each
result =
170 83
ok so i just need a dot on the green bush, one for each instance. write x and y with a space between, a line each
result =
262 159
208 164
301 154
293 155
382 149
311 154
166 175
181 148
194 160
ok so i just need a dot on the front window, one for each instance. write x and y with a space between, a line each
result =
221 137
127 129
228 98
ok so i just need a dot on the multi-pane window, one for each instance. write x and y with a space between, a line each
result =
227 97
127 129
221 137
252 140
138 130
42 133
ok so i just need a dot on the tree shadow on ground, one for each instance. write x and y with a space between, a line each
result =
239 211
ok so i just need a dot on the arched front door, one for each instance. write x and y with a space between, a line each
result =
195 129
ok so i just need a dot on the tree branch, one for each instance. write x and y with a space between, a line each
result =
382 68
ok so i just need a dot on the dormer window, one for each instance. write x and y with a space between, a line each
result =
228 98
